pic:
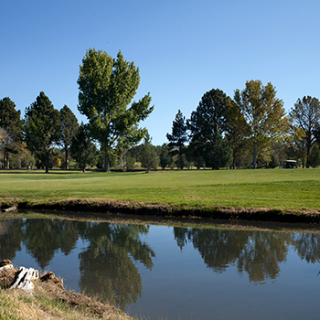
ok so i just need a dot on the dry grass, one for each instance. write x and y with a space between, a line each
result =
51 301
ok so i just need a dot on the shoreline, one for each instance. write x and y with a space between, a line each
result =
48 299
166 211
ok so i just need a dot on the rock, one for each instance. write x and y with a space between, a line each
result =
13 208
24 279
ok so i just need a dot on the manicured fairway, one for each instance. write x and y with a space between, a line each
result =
277 188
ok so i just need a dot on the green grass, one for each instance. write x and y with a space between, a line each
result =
277 188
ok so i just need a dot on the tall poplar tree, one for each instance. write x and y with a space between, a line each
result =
42 127
178 137
106 89
264 114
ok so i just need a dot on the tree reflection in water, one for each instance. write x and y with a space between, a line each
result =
258 253
107 267
10 239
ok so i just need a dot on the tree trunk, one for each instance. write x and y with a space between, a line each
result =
84 168
6 161
180 151
47 163
66 154
255 157
106 159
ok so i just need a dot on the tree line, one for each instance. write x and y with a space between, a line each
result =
249 130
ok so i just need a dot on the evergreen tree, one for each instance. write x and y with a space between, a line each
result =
164 156
82 149
42 127
314 157
12 125
217 152
209 115
69 128
178 137
274 162
149 156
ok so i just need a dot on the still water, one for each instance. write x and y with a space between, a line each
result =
175 273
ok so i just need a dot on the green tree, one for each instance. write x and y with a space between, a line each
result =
42 127
11 123
178 137
149 156
82 149
164 156
69 128
130 161
314 157
264 114
107 86
217 152
306 118
209 115
236 132
273 163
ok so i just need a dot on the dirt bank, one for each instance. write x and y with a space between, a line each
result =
167 210
50 300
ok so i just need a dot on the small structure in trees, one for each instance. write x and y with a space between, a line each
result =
288 164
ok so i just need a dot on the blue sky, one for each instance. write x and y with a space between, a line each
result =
182 48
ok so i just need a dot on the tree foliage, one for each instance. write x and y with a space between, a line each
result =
69 128
42 127
178 137
217 152
306 118
314 157
164 156
106 88
236 131
209 115
12 125
83 149
149 156
264 114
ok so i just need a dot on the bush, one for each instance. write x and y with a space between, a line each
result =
274 163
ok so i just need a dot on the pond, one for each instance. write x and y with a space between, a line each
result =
161 272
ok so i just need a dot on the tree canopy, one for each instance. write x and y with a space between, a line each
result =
69 128
264 114
106 88
42 127
83 149
11 124
179 136
306 117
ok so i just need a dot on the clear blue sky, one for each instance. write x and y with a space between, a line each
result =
183 49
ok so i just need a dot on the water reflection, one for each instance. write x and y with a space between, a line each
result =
108 262
107 265
257 253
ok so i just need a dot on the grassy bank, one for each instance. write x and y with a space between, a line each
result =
277 189
49 300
